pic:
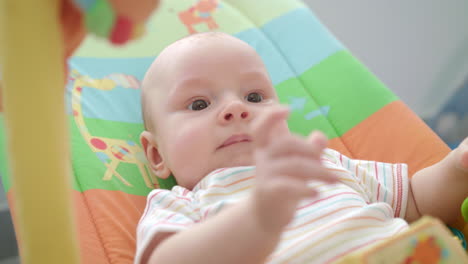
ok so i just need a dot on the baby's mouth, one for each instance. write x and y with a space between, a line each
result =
234 139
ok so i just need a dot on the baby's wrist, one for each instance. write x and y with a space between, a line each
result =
262 218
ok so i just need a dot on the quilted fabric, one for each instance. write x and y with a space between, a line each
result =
325 86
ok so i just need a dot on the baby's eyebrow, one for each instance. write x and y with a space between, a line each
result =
255 75
198 83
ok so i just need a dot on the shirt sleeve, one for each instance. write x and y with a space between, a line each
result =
166 212
379 181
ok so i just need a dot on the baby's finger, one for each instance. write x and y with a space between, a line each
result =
318 142
461 152
304 169
293 145
265 125
296 189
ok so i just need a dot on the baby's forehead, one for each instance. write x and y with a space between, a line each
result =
186 53
182 49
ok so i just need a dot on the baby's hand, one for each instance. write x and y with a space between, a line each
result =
461 153
285 163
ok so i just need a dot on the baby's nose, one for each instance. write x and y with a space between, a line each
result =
235 111
230 116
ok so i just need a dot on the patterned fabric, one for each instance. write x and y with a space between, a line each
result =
326 87
364 207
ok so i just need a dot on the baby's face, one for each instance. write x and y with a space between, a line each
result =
209 93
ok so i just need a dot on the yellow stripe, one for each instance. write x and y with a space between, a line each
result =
368 234
338 170
311 221
333 158
301 252
283 251
348 180
232 183
229 193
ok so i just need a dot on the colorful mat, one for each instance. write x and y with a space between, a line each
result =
325 86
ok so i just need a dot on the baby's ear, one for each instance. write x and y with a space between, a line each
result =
155 161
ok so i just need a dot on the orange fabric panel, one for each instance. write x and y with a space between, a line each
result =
395 134
338 145
106 223
115 215
90 246
91 250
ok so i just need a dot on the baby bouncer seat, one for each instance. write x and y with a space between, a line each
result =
324 85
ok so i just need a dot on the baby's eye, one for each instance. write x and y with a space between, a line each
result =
254 97
198 105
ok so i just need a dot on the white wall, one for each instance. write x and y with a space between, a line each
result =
419 48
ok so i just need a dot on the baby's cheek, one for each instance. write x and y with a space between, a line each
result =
190 143
190 155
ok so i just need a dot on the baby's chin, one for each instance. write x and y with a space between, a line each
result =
239 161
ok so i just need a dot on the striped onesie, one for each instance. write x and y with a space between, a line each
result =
365 206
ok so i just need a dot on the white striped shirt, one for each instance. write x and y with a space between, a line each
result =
367 205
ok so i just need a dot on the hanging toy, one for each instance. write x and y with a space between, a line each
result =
118 21
464 210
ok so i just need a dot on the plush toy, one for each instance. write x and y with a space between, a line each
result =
464 210
116 20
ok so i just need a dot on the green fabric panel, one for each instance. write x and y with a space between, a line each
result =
259 14
231 16
3 156
113 129
352 92
88 168
332 96
293 94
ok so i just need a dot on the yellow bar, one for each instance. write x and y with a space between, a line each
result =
36 129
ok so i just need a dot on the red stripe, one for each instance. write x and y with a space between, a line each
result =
169 204
220 170
326 198
170 216
290 228
183 198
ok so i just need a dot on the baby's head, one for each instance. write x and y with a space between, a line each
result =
199 99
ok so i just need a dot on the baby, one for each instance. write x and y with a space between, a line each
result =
251 192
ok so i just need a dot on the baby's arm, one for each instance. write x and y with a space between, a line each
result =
248 232
440 189
232 236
